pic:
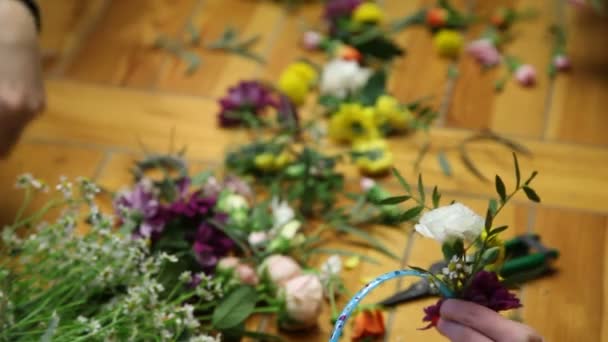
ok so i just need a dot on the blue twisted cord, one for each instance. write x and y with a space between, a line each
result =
354 302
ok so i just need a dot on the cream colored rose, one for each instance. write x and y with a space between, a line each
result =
303 299
454 221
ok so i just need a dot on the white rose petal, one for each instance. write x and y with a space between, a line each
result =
454 221
341 77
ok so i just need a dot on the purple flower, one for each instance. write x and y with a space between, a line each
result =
488 291
194 205
526 75
287 114
561 62
484 51
432 315
210 245
143 204
335 9
248 96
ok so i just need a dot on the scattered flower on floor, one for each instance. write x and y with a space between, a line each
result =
368 325
373 157
311 40
561 62
250 97
280 269
303 301
353 122
484 51
526 75
436 17
448 43
368 12
341 77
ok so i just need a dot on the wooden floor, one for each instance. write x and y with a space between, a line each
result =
107 89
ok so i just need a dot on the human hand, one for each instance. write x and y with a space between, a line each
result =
463 321
22 94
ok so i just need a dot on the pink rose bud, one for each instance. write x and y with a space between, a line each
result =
526 75
367 183
228 263
303 298
257 238
281 268
311 40
484 52
561 62
247 275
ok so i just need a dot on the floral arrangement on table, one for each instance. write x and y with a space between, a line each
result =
472 248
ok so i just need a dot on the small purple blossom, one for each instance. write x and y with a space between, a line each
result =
488 291
526 75
247 96
432 315
141 203
194 205
210 245
562 62
335 9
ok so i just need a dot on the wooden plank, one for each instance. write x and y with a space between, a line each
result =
64 22
45 162
131 116
219 69
425 252
577 293
578 107
517 110
119 50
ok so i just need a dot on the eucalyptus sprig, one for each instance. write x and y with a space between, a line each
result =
230 41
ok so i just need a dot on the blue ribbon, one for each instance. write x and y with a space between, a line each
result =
354 302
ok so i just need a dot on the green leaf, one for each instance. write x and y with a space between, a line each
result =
201 178
493 206
402 181
517 172
453 72
374 88
444 164
394 200
500 189
490 255
532 176
450 249
380 47
374 242
436 197
51 328
411 214
419 269
531 194
489 219
421 188
235 308
498 230
330 102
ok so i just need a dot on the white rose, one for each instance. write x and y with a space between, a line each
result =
341 77
303 299
281 212
454 221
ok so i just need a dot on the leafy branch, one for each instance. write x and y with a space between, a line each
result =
229 41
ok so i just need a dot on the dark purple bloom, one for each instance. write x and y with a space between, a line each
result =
431 314
141 204
335 9
251 97
287 114
488 291
210 245
194 205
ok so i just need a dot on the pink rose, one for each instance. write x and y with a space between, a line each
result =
257 238
247 274
281 268
303 298
228 263
367 184
561 62
311 40
484 51
526 75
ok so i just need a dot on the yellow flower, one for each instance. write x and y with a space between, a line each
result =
264 161
282 160
368 12
373 157
389 112
352 122
495 242
306 71
448 43
294 86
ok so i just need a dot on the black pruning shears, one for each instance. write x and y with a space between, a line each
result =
526 259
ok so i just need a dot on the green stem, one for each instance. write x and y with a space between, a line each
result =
26 203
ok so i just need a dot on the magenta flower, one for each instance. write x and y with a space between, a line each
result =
311 40
526 75
210 245
484 51
194 205
335 9
432 315
488 291
250 97
561 62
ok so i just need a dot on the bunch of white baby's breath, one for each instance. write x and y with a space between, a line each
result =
61 285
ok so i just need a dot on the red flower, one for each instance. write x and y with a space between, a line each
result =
431 314
437 17
368 324
349 53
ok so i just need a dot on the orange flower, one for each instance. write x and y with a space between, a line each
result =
368 324
349 53
436 17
